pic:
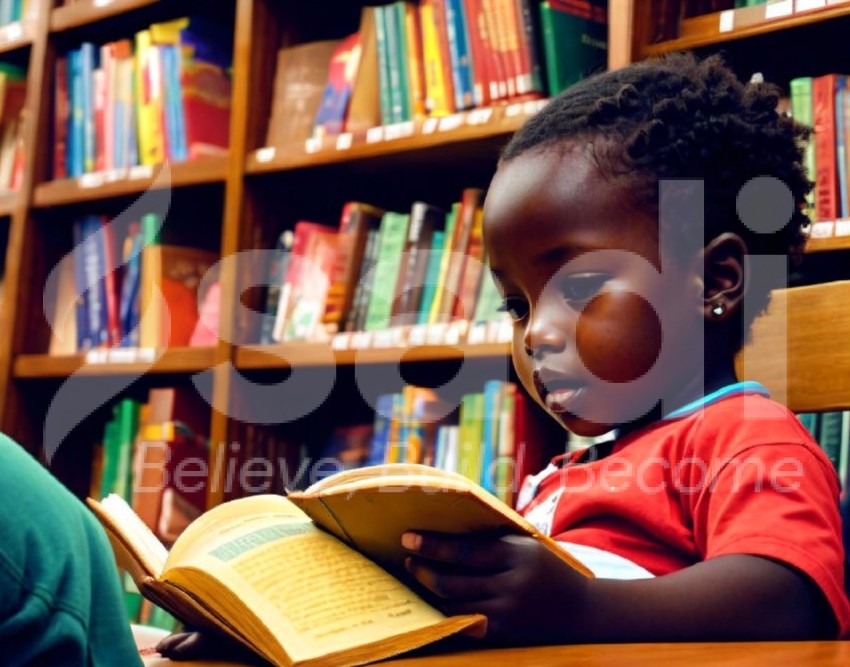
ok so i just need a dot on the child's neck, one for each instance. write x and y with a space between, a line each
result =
717 377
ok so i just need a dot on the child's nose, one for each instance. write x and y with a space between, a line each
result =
544 332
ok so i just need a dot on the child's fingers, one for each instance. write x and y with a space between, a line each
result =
450 586
490 554
199 646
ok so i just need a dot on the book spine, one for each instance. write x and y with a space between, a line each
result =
392 237
88 102
360 304
110 285
276 276
439 99
826 192
459 53
84 336
61 119
416 75
529 41
801 109
432 277
384 78
477 45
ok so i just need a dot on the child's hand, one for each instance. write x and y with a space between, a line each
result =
204 646
524 589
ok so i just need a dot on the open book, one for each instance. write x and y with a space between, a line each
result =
317 577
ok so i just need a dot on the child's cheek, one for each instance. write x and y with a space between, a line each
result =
618 336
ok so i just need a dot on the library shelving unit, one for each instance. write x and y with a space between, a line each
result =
227 204
806 365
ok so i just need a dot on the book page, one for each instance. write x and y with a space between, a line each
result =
313 594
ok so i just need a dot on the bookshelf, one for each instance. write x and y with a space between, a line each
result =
231 203
239 202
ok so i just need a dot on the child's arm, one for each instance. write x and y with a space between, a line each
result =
529 596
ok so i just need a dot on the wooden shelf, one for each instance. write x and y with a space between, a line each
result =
175 360
268 357
84 12
719 27
475 125
8 202
15 36
120 182
827 244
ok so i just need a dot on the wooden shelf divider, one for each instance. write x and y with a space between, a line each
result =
298 355
17 35
464 127
732 24
121 182
84 12
183 360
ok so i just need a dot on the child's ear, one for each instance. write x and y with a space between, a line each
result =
725 276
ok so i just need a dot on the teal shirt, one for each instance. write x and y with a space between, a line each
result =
60 599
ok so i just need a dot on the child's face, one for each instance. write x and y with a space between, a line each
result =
572 255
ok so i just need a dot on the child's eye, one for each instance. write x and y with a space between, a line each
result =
515 306
582 286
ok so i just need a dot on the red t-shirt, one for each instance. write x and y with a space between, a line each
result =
739 476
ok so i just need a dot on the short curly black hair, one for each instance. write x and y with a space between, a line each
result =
679 117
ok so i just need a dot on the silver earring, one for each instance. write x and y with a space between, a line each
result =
718 309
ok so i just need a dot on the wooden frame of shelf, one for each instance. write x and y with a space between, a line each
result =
16 35
268 357
176 360
84 12
9 202
733 24
830 243
467 127
102 185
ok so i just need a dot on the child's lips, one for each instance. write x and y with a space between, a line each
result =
563 400
558 392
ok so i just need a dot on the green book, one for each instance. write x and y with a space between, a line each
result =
392 236
384 88
432 276
574 47
830 436
401 61
802 111
488 305
471 436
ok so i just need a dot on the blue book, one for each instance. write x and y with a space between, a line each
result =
76 126
490 435
460 54
84 338
840 128
94 262
432 275
128 306
175 98
381 432
87 67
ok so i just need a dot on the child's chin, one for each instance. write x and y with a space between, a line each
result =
583 427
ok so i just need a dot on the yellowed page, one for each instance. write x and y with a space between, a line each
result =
386 470
312 592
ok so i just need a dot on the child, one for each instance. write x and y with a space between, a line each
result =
712 515
713 507
60 600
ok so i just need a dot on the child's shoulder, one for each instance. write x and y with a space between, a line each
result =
745 422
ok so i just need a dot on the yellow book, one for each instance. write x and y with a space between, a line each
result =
149 100
445 262
438 99
313 579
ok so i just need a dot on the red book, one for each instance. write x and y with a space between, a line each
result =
206 107
110 283
479 45
60 118
826 180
